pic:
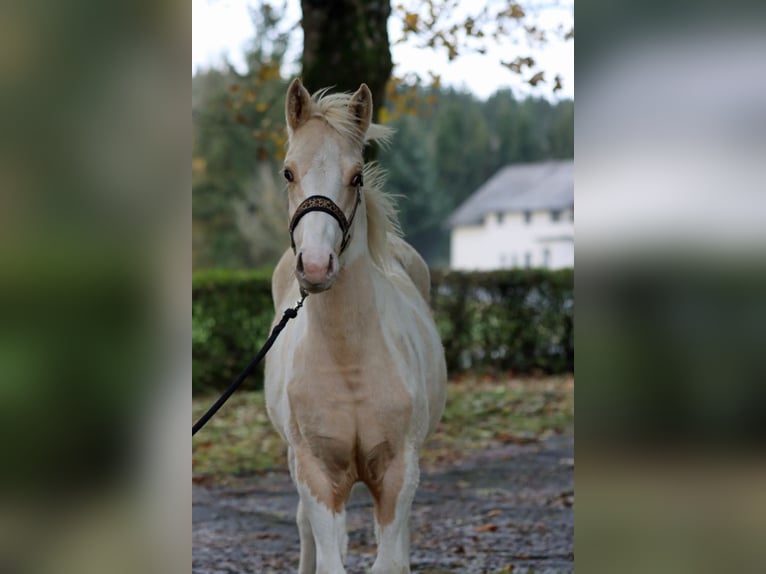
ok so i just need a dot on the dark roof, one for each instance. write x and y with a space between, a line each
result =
520 187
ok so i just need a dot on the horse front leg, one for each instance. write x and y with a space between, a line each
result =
321 518
393 505
323 530
307 564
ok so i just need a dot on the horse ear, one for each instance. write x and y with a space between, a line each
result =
297 105
361 107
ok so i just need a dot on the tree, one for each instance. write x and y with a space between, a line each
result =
561 133
412 176
439 25
345 42
462 147
238 210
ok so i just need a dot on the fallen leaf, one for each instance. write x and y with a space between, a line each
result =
513 438
489 527
521 556
536 79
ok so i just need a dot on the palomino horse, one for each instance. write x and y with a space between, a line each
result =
357 382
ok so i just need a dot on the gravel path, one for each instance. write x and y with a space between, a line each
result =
508 509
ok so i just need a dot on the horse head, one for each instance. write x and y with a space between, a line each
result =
323 169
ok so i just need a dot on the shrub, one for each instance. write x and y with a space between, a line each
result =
231 315
519 320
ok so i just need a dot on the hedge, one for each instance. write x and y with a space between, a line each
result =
231 315
513 320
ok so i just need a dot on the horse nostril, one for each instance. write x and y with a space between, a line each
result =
330 265
300 263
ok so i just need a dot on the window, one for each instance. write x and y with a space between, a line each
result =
527 217
527 260
499 217
514 260
546 257
571 215
556 215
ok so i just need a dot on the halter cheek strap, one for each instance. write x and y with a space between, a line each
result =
328 206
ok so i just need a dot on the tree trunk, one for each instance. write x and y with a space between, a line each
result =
345 43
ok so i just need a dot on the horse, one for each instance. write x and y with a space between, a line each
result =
357 382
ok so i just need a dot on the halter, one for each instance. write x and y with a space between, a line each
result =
326 205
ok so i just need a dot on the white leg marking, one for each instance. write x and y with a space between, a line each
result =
394 538
329 533
307 564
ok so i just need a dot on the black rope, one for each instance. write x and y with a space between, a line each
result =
290 313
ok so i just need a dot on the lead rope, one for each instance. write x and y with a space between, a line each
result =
290 313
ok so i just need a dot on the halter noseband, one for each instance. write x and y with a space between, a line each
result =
328 206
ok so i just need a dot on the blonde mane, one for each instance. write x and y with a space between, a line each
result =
382 216
334 109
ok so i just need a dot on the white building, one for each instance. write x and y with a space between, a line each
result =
521 217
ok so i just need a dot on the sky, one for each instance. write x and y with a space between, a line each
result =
222 27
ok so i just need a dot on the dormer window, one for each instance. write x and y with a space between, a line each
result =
527 217
556 215
500 217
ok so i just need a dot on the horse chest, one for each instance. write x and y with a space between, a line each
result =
349 417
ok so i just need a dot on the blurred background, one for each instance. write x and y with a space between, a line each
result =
670 139
94 265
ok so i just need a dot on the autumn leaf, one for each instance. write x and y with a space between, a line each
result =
451 51
517 64
489 527
515 438
269 72
411 22
199 164
536 79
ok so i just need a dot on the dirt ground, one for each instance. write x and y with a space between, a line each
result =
507 509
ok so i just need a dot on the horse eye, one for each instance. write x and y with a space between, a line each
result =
357 181
288 175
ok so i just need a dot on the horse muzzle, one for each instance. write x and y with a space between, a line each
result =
316 270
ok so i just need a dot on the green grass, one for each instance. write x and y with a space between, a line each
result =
238 440
480 412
